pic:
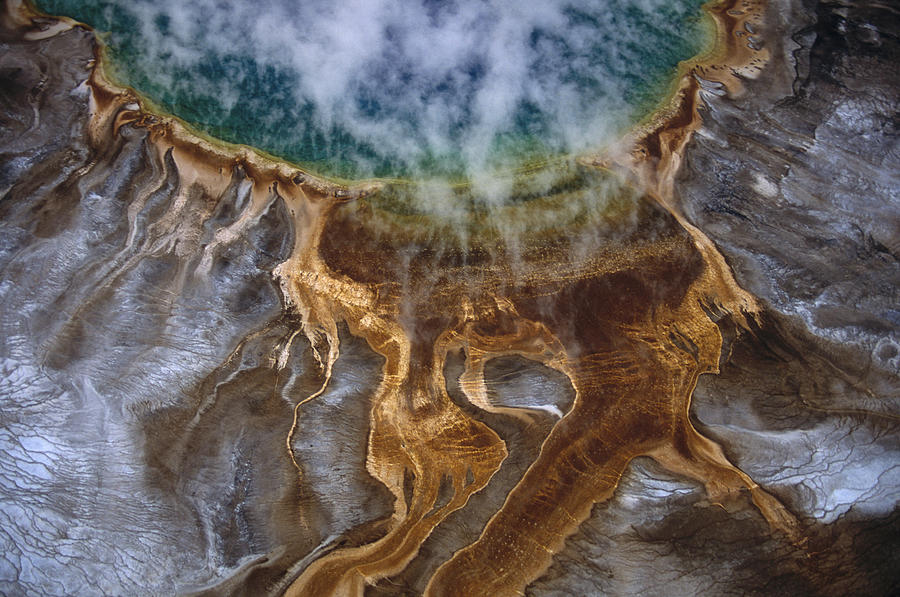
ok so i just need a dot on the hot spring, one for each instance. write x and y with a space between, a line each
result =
462 297
387 89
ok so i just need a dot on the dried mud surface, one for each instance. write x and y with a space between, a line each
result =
223 375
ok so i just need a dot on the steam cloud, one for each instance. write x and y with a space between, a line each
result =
388 87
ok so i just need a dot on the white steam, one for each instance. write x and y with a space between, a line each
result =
415 78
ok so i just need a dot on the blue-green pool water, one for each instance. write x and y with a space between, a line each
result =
389 88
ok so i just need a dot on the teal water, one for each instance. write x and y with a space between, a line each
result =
353 89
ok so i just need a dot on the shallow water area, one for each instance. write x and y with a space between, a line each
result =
444 90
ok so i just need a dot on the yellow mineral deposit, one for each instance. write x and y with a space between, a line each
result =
632 322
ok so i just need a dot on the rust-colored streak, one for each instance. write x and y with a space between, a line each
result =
605 281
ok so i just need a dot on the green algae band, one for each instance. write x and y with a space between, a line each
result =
400 89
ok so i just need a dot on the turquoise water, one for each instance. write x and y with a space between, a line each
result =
400 89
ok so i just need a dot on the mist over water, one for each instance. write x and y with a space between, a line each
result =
390 88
